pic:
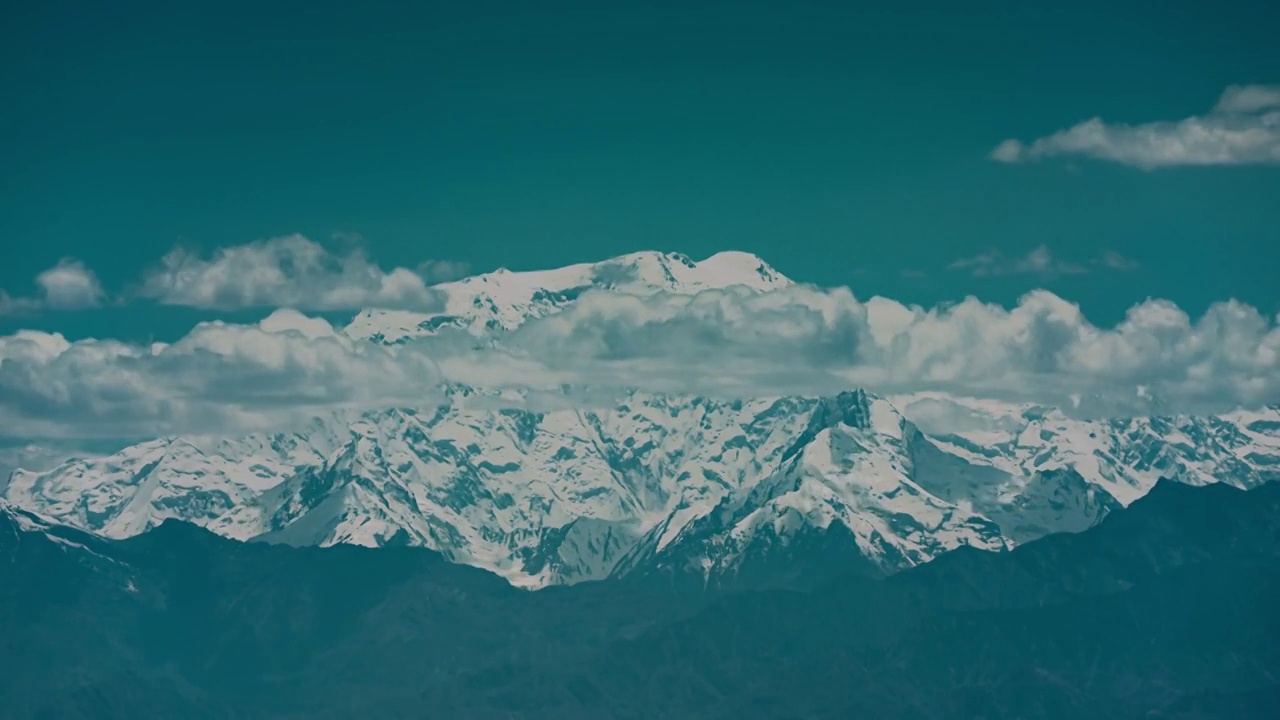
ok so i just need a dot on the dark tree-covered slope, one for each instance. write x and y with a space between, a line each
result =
1165 610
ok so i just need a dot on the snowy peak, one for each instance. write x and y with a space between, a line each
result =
503 300
639 272
673 272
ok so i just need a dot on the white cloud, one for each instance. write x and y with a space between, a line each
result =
725 342
803 339
69 285
285 272
218 378
1040 262
1045 351
1242 129
1009 151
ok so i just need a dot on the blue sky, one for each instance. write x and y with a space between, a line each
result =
845 146
1125 157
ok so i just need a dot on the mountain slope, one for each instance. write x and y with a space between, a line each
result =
842 490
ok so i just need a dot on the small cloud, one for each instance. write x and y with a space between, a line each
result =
1009 151
1041 261
1242 129
69 285
438 271
1248 99
914 274
1113 260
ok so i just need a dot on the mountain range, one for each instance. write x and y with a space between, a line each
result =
790 556
694 489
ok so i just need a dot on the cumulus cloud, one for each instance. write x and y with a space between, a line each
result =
218 378
288 271
728 343
1041 262
69 285
1243 128
732 341
1042 350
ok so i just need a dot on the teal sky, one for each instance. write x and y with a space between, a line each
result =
846 147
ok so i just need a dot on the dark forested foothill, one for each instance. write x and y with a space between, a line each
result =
1167 609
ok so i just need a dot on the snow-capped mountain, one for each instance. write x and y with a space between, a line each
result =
537 497
696 484
709 488
213 482
844 483
1123 456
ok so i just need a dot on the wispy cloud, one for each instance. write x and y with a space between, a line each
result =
69 285
1243 128
1040 262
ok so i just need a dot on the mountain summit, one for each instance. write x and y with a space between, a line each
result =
502 300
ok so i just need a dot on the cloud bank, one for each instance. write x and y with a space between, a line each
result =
218 378
1243 128
234 378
